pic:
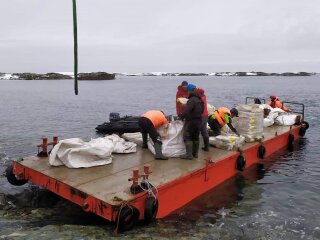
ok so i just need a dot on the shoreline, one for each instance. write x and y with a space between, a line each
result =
112 76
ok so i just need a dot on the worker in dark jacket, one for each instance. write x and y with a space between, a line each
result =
148 123
181 93
204 120
221 117
192 115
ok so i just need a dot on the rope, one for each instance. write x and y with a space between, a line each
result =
149 189
75 42
124 204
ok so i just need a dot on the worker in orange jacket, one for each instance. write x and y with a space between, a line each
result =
148 123
275 103
221 117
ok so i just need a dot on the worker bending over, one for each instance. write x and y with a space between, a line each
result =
148 123
221 117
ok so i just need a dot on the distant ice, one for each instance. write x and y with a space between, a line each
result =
8 76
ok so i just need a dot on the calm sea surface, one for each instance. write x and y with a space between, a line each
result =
282 204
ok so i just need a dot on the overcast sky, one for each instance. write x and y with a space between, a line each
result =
163 35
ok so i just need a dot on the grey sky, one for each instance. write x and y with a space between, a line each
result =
163 35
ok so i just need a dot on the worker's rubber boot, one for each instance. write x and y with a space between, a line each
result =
158 150
206 144
188 154
195 149
144 140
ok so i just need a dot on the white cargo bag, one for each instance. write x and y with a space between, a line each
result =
120 145
133 137
227 142
76 153
172 145
267 122
286 119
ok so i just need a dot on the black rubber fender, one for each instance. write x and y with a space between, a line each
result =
150 210
306 123
290 139
128 218
261 152
302 132
290 142
241 162
13 179
261 168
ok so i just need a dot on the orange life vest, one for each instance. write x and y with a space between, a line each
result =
277 104
219 114
156 117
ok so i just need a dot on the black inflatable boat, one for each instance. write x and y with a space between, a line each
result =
119 125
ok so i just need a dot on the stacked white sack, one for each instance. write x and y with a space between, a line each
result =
250 122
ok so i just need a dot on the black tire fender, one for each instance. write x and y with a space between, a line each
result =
290 139
306 123
261 152
13 179
128 218
302 131
290 142
150 209
241 162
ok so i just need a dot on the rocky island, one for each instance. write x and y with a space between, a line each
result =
57 76
92 76
236 74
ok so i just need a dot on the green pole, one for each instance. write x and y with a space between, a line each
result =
75 44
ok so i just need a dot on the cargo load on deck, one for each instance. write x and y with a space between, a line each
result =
250 122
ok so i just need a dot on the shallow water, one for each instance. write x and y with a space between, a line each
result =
282 204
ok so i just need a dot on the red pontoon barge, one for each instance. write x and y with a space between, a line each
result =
155 188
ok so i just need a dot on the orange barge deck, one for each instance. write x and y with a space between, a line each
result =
104 190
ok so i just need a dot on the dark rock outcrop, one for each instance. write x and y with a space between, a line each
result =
290 74
46 76
96 76
192 74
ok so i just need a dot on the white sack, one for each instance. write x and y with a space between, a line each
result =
286 119
182 100
263 106
120 145
210 108
172 145
133 137
75 153
227 142
267 122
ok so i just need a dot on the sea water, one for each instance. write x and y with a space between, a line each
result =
284 203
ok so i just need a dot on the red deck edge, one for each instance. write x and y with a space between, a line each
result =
171 195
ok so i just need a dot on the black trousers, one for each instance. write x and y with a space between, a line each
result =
191 130
215 126
147 127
